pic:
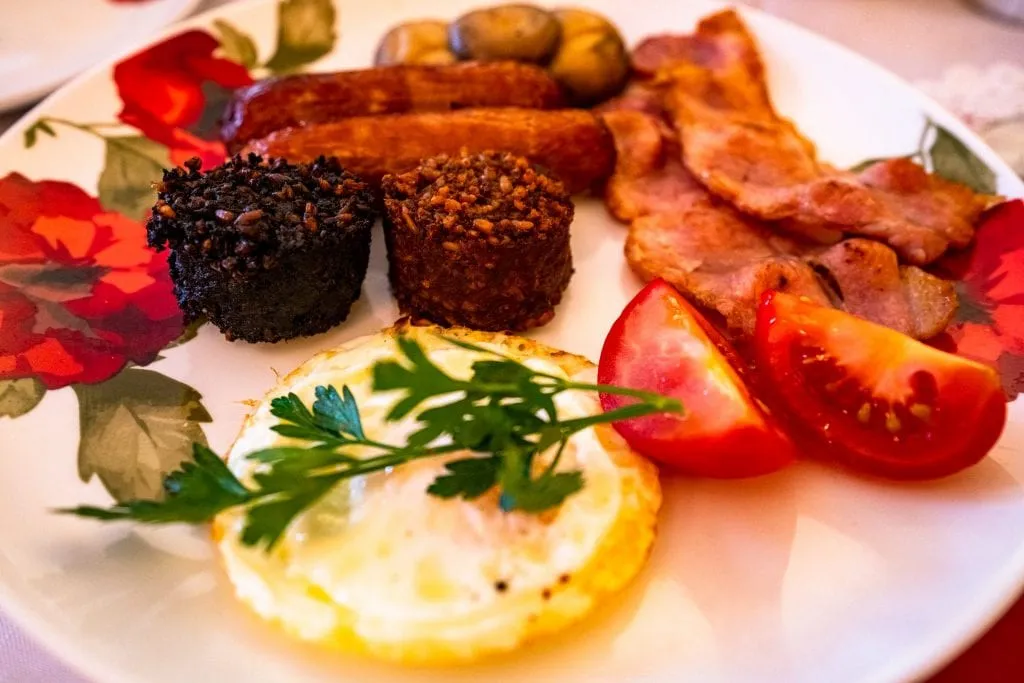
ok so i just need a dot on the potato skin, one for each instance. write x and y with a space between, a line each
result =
415 42
522 32
592 62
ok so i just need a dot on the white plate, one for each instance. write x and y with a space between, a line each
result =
808 575
43 43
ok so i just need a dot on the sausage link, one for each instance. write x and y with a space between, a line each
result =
257 110
572 143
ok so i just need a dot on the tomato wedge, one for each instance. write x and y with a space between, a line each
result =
883 403
660 343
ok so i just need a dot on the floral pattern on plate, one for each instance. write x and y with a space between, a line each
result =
81 294
989 325
84 302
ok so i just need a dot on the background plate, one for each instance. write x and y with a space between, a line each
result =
43 43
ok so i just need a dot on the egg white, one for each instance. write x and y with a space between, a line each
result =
381 566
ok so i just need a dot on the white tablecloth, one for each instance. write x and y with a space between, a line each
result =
918 39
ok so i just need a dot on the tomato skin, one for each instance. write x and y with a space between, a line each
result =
660 343
822 364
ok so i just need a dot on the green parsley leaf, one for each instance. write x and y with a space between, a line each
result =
468 478
543 493
268 519
333 421
196 493
419 380
338 413
291 409
504 415
502 372
521 492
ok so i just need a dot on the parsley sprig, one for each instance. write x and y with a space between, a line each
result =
504 416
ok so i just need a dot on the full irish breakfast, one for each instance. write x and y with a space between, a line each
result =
445 489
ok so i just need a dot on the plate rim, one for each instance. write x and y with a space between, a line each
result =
1005 587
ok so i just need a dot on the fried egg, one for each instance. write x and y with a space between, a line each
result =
382 567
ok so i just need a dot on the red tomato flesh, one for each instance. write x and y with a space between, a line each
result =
881 402
661 344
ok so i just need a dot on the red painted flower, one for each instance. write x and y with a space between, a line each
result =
80 292
184 145
165 90
990 322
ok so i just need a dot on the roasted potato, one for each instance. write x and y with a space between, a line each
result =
415 42
524 33
591 63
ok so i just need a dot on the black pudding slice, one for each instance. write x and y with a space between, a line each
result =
264 249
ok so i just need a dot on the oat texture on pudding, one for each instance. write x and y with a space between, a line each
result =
478 240
264 249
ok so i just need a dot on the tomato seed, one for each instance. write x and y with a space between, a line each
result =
921 411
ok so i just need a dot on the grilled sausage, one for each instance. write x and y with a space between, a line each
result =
290 101
572 143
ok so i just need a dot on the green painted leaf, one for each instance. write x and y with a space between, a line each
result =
970 308
132 165
866 164
136 428
188 334
953 160
305 33
215 98
236 45
18 396
32 133
199 490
